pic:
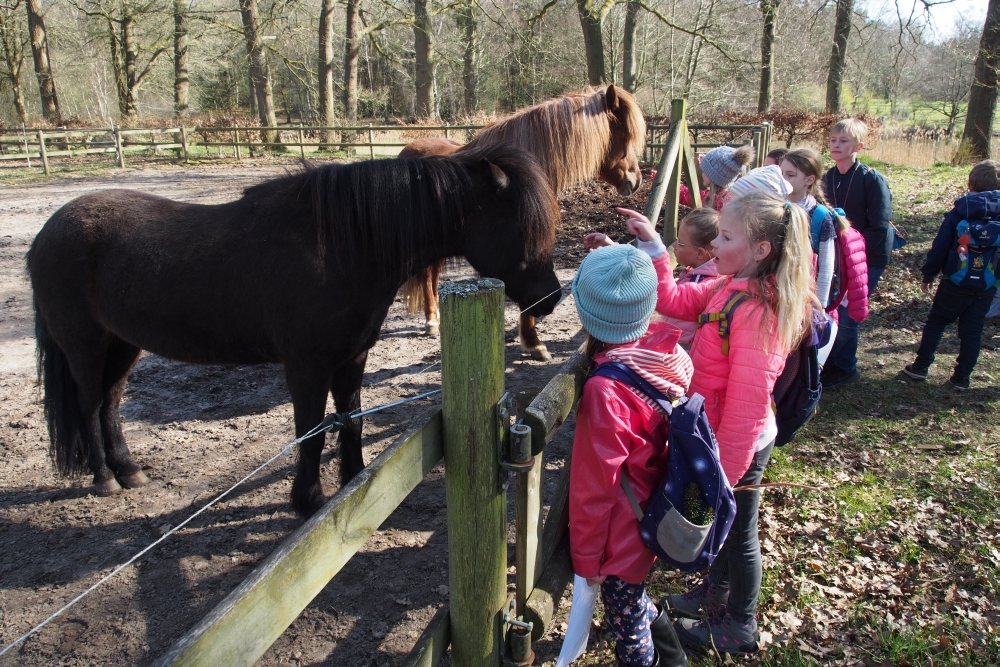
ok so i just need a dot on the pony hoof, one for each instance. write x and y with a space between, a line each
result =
541 353
108 487
134 480
433 329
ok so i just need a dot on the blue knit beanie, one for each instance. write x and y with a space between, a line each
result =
615 293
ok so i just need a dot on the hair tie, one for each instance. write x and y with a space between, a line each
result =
788 206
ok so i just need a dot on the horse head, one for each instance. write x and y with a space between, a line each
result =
628 133
512 226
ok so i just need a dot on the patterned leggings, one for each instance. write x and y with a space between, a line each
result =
629 611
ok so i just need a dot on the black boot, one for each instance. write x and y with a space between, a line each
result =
668 647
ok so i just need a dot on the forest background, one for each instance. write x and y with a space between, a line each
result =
100 62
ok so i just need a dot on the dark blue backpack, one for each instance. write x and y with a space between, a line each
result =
695 482
978 248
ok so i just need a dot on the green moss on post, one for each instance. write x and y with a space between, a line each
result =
472 377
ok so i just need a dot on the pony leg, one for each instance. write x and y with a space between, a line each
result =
89 400
432 276
529 339
121 359
346 388
309 389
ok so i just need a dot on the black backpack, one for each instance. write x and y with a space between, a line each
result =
797 390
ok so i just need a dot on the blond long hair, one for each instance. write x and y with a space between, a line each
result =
809 163
784 278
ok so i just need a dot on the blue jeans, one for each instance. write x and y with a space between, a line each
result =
738 566
969 307
844 355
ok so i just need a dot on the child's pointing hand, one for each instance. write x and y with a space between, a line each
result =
639 224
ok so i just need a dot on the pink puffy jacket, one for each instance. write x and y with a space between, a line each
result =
854 265
618 431
696 274
737 387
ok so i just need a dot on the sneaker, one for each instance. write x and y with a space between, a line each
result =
721 631
960 384
705 597
841 378
915 372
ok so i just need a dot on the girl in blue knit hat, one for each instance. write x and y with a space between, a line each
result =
619 431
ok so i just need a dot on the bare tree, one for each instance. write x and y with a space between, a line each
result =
838 58
465 17
180 59
43 68
352 48
629 74
592 13
260 75
978 135
947 75
14 42
769 10
423 48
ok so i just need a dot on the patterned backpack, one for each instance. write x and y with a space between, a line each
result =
692 509
978 250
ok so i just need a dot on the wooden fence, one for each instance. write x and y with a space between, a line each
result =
471 431
23 146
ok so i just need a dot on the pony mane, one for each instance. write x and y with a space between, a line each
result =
570 134
389 208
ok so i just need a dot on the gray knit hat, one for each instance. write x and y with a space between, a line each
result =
615 293
724 164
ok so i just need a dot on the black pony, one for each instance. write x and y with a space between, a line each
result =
301 270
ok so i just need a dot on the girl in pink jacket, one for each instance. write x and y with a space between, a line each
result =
762 249
619 431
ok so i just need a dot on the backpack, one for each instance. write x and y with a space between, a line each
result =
978 255
798 389
838 285
695 485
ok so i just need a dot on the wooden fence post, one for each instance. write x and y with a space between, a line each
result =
41 152
371 142
184 144
678 117
528 545
472 379
758 144
302 143
118 148
236 143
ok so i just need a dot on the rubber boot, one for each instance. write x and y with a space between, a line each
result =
669 651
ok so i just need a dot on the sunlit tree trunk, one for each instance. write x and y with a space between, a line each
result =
470 61
324 69
592 20
13 56
423 47
838 58
43 68
769 9
977 137
259 73
180 59
352 50
628 46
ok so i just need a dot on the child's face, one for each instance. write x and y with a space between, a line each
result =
685 251
731 248
844 146
799 180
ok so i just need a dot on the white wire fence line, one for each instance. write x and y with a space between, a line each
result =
332 422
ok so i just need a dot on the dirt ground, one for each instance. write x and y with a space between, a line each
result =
198 429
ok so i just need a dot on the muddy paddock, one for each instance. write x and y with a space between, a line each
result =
198 429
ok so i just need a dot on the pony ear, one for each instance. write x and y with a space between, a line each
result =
611 99
493 173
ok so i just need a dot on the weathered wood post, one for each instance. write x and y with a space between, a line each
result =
184 144
302 143
42 153
666 186
371 142
472 379
758 145
118 148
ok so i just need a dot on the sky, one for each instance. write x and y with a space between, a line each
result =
944 15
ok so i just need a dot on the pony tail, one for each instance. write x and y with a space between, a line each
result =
796 289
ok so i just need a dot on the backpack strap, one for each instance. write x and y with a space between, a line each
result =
816 224
630 494
622 373
723 317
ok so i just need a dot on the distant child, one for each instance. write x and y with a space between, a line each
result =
863 194
966 291
693 249
720 167
762 249
774 156
621 432
802 168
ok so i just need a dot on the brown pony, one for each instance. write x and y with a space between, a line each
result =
575 137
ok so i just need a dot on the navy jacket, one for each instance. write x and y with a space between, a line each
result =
943 255
864 195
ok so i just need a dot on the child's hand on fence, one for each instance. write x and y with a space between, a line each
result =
596 240
639 224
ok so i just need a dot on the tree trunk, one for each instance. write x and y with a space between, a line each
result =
13 55
181 109
324 68
260 76
470 62
769 8
352 50
118 68
128 46
978 135
593 42
43 68
628 46
423 47
838 58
